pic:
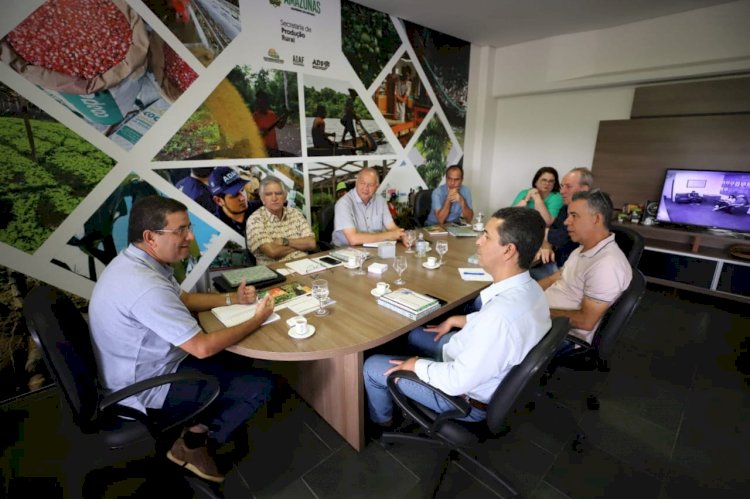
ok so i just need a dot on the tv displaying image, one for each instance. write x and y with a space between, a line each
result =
706 198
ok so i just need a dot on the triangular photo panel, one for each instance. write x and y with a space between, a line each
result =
205 27
402 99
445 61
337 121
105 233
250 114
368 40
104 64
47 171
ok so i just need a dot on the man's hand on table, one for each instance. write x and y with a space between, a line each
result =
264 308
246 294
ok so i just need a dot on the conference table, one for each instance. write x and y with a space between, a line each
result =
326 368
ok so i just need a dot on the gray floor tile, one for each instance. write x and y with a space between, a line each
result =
370 473
594 473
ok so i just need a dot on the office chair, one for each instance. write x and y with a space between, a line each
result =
595 357
630 242
103 432
444 430
325 226
422 206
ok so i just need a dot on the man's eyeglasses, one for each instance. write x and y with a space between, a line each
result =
180 231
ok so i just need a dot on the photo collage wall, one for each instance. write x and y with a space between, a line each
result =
106 101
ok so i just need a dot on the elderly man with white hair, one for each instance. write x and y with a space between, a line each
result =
275 232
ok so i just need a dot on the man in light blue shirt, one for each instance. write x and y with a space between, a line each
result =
361 216
142 326
452 200
475 360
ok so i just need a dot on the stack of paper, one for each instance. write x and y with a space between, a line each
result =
409 303
231 315
306 266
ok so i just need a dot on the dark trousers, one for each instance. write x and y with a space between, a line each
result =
244 389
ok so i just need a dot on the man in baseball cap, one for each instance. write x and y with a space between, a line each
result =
233 208
341 190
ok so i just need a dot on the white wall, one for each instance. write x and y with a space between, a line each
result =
544 99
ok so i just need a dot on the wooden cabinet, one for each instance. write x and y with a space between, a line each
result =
695 261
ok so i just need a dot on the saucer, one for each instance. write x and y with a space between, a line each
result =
374 292
351 267
310 332
431 267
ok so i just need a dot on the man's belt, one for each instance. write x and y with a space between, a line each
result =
476 404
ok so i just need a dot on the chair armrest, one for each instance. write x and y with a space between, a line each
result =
461 406
109 402
146 384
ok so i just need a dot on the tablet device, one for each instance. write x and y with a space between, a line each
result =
259 276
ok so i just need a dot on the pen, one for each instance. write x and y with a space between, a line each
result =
473 273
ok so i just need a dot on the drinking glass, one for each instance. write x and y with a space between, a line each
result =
361 257
409 237
442 248
320 293
399 265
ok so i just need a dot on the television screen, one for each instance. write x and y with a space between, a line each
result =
706 198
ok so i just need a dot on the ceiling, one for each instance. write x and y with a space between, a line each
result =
499 23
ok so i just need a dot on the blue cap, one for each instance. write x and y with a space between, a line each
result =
224 180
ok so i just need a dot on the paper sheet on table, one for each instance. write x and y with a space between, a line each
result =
474 274
377 243
231 315
306 266
285 272
306 304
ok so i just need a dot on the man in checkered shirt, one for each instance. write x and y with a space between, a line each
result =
275 232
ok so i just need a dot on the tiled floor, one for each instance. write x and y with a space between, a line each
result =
674 422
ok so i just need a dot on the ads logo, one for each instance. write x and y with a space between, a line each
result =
273 56
298 60
275 3
319 64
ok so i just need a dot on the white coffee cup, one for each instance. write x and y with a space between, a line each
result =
352 261
382 288
431 261
300 325
479 227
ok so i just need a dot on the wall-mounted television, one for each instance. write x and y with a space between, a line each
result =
712 199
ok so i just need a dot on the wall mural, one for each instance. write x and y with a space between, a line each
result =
153 95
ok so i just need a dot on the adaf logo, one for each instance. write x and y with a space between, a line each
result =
275 3
273 56
298 60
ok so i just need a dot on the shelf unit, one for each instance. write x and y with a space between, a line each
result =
694 261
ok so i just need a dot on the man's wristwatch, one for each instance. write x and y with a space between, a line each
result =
284 241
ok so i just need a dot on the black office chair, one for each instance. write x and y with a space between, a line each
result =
595 357
422 207
103 432
325 226
630 242
444 430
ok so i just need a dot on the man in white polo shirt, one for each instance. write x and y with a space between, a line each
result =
595 274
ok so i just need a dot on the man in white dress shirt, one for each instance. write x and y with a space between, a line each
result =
514 317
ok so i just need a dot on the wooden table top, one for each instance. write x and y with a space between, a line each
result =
356 322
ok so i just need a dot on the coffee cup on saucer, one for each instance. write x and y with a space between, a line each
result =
479 227
381 288
352 261
300 326
431 261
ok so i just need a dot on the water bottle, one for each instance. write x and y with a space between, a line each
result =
421 246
